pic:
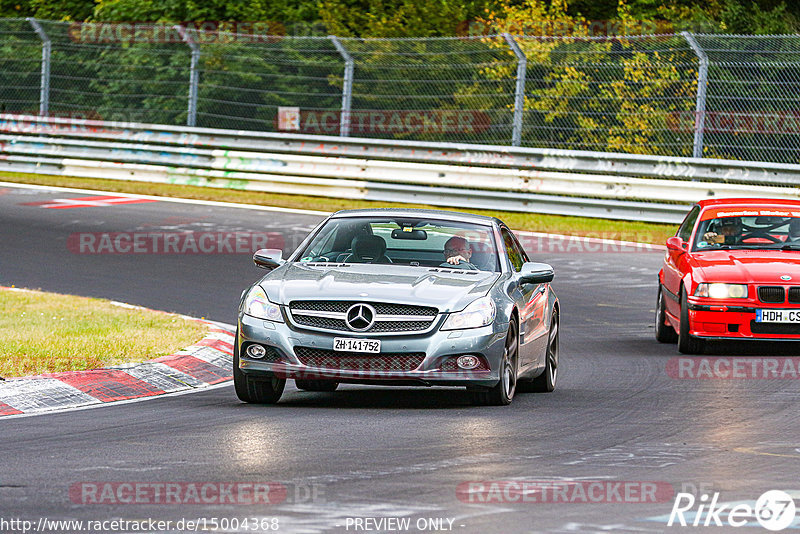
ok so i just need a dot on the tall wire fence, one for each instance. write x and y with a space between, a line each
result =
716 96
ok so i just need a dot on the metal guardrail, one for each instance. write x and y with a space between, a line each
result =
590 184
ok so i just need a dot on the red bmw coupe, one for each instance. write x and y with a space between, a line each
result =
731 272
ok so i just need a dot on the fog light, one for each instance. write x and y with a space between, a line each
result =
468 362
256 351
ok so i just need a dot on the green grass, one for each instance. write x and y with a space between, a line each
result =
46 332
580 226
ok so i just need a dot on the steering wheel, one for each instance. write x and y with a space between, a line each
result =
759 234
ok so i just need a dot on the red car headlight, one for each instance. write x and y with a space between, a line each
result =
721 291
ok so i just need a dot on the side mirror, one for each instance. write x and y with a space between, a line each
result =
536 273
676 244
268 258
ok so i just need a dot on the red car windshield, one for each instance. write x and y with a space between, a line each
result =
748 232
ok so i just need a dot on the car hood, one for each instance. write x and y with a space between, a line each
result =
754 266
447 289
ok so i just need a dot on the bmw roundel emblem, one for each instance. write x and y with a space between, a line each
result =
786 277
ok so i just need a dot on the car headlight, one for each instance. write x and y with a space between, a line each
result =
258 305
480 313
721 291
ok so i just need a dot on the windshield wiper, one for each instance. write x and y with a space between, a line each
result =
791 247
742 246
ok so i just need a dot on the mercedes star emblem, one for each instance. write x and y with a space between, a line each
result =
360 317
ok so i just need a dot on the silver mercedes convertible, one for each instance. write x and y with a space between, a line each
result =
400 297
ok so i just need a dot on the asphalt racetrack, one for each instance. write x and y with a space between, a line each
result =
608 451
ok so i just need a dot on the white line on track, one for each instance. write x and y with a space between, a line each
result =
164 199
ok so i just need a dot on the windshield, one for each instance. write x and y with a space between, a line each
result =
749 232
407 241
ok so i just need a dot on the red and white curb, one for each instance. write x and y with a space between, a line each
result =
208 362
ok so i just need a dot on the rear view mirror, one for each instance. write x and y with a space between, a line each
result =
769 221
410 234
536 273
268 258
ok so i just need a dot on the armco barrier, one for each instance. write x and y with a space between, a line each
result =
619 186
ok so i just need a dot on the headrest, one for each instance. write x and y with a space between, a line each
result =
368 248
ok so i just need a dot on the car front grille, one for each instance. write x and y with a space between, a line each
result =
354 361
794 295
774 328
381 308
771 294
389 318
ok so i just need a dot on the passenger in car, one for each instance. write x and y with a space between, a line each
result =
794 231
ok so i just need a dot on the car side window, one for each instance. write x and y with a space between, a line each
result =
522 253
685 231
515 253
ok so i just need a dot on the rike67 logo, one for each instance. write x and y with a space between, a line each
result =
774 510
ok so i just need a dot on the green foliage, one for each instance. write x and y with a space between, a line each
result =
62 9
280 11
742 17
15 8
398 18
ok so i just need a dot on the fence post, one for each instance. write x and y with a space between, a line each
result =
702 83
519 95
347 89
194 77
44 84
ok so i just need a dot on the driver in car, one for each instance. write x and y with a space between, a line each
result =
729 232
457 253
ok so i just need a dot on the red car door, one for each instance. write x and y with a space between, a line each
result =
676 263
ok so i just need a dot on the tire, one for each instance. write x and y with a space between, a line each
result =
503 393
664 332
687 344
261 390
546 382
316 385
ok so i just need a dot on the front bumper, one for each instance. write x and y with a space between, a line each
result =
437 346
738 321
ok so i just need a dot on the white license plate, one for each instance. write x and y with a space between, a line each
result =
778 316
348 344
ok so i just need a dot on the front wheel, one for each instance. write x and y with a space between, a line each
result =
664 332
687 344
503 393
258 390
